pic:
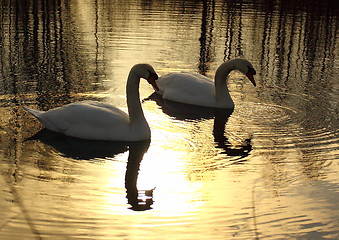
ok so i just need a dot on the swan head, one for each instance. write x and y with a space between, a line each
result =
147 72
246 68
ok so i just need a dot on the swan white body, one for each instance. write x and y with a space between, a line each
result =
196 89
100 121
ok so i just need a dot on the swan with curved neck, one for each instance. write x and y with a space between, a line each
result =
196 89
100 121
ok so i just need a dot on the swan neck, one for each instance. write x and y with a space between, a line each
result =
136 114
220 82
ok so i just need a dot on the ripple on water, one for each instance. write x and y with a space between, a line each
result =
278 128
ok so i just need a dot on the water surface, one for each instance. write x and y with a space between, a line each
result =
267 170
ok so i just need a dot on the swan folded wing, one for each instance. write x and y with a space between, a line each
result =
189 88
88 120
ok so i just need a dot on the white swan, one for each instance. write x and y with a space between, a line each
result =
196 89
100 121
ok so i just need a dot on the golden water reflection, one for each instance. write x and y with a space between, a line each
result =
269 172
195 184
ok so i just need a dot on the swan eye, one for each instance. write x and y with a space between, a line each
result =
251 70
152 78
152 75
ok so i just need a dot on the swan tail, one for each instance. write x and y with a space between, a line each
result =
36 113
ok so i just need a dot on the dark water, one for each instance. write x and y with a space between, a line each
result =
269 170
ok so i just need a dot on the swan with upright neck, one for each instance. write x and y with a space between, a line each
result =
101 121
196 89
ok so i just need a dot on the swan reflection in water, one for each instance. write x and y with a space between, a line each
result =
81 149
220 120
181 111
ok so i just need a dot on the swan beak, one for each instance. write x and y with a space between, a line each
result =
250 75
152 80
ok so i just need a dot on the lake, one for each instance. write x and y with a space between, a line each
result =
267 170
